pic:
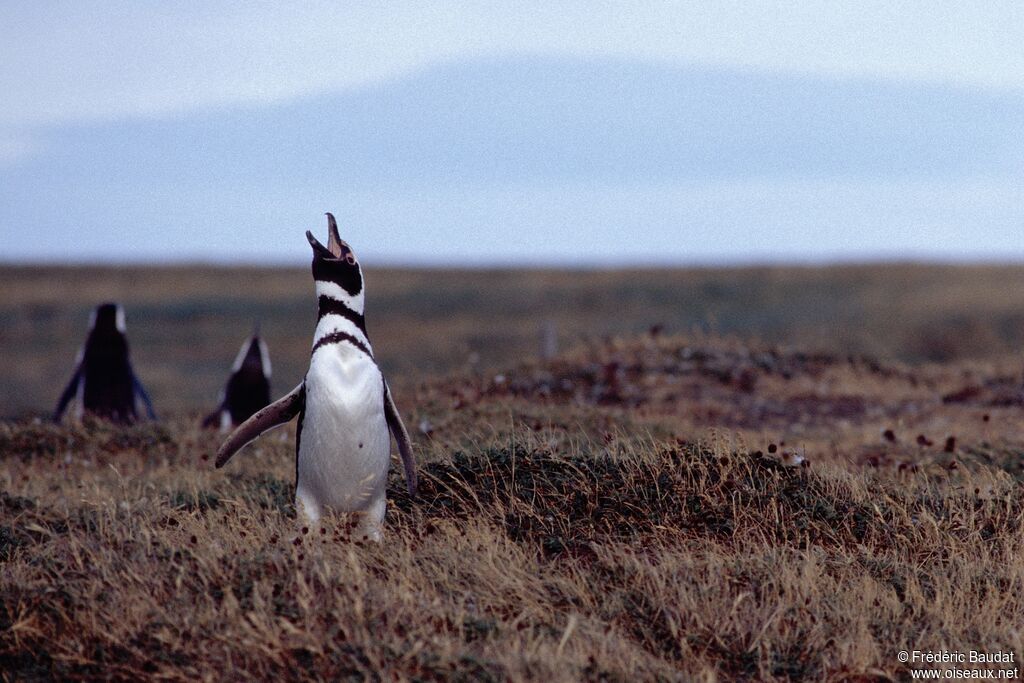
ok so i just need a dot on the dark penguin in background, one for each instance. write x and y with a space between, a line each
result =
104 383
248 387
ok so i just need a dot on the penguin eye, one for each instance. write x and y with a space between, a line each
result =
351 258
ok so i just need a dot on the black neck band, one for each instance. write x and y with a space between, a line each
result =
335 337
329 306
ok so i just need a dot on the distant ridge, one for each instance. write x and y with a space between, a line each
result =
529 119
543 158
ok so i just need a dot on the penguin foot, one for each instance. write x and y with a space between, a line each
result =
370 522
307 507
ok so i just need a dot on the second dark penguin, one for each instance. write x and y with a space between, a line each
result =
247 389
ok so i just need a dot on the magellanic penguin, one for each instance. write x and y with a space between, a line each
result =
248 387
104 383
344 406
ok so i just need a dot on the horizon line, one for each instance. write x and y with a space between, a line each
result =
484 263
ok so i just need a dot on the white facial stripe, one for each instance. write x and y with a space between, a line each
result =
120 319
334 291
338 323
80 398
265 359
241 355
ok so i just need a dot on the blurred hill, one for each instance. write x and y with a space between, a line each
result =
453 160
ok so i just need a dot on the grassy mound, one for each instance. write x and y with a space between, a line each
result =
621 559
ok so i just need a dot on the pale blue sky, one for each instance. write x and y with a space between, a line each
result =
503 132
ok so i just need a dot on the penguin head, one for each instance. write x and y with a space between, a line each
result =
336 269
253 356
108 317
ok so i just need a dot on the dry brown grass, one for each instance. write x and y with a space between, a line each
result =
611 515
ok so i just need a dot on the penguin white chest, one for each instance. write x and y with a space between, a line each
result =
344 444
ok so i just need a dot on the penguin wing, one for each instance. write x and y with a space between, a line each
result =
140 391
69 392
213 419
401 438
277 413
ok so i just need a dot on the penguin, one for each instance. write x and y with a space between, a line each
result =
248 387
344 405
103 382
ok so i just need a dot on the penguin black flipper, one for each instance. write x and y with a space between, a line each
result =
140 393
277 413
213 419
69 393
401 438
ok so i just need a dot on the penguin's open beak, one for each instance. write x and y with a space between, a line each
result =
334 241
